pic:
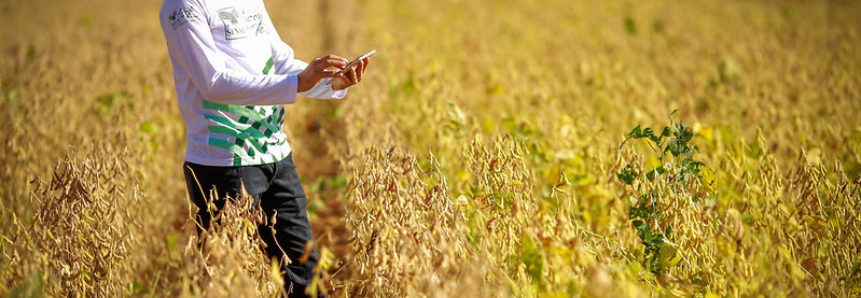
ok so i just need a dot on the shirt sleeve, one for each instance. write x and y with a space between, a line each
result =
193 49
285 63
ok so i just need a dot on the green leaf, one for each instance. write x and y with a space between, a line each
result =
669 255
12 96
531 257
627 175
683 132
635 133
694 167
647 133
666 132
654 138
657 171
644 231
171 242
149 127
33 287
755 151
630 25
676 147
315 205
31 52
137 287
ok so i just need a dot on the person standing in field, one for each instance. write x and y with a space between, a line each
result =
233 74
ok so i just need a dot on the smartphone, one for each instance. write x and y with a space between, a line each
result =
353 63
356 61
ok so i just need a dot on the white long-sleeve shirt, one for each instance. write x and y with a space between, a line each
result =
232 74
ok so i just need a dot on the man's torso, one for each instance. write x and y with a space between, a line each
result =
229 135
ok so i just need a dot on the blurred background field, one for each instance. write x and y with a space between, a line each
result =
478 157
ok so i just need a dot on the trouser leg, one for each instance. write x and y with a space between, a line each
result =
226 182
278 191
285 199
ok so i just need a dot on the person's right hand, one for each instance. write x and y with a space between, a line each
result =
318 69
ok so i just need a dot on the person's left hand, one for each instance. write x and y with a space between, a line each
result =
352 77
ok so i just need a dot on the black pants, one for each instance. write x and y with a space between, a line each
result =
276 187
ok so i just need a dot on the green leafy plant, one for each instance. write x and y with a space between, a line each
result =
647 212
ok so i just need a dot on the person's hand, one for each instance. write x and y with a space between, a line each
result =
319 69
352 77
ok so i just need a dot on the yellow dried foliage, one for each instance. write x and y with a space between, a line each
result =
480 152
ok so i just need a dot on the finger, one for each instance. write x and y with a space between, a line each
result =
365 64
354 78
329 73
348 77
337 76
360 70
330 61
335 58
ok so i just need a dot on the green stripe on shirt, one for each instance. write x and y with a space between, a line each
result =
269 65
240 135
239 110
